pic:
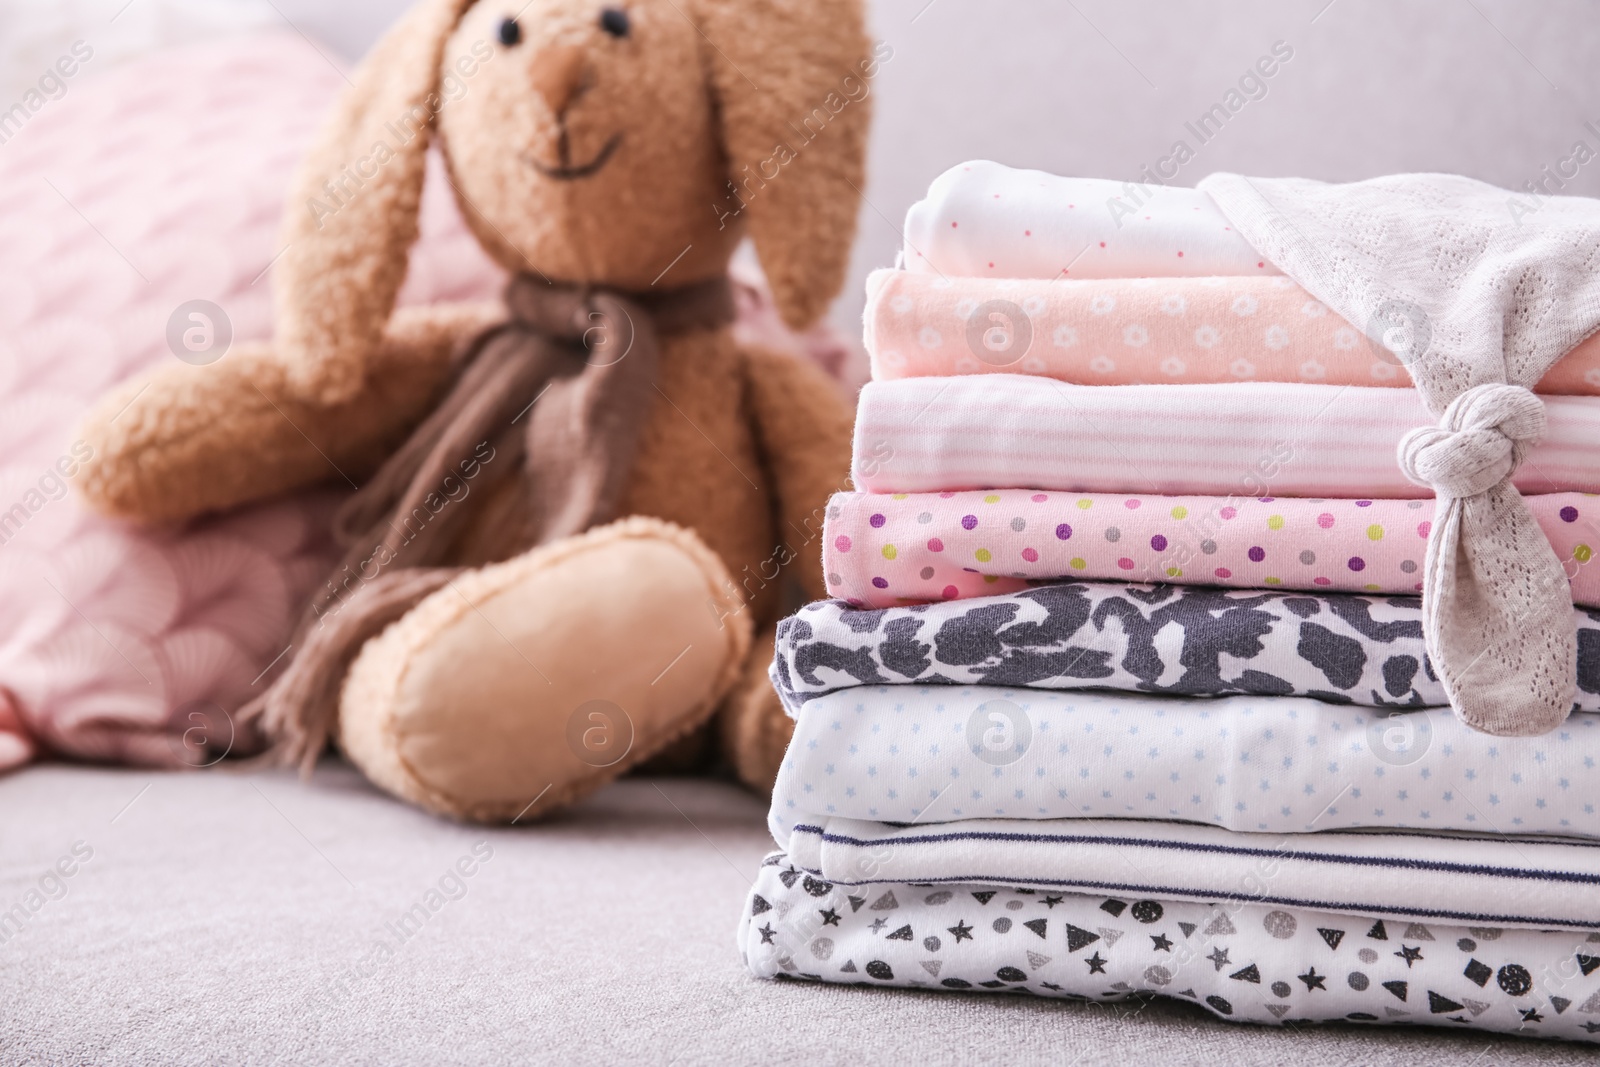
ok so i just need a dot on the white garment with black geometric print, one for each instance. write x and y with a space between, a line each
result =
1245 962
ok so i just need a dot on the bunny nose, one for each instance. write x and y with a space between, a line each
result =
558 76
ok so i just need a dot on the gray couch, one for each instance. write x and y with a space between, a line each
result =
225 917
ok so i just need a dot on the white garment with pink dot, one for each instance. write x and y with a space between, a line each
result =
985 220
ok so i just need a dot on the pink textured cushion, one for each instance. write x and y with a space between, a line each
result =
158 183
161 182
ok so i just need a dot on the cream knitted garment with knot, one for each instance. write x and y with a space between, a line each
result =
1477 302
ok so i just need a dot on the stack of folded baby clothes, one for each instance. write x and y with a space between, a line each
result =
1168 654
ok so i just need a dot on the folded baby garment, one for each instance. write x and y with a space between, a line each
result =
1256 438
1283 765
880 549
1177 640
1483 879
982 219
1250 962
1136 331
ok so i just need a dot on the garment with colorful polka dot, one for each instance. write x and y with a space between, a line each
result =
885 549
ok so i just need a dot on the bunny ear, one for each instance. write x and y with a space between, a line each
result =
793 82
352 212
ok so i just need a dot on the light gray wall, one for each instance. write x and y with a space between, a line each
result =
1495 89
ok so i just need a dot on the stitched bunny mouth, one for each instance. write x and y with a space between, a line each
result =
567 172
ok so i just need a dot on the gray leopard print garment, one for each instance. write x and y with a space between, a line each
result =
1182 640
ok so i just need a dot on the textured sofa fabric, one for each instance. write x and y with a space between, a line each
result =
225 917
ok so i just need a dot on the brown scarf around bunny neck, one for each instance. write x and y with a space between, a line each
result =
555 398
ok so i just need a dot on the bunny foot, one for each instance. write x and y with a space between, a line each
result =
519 687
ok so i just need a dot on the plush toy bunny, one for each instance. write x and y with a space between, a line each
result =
577 509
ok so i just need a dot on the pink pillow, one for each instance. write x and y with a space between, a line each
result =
158 183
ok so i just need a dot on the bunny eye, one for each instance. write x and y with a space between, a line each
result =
615 21
510 32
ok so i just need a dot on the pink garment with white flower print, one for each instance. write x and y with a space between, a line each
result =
1138 331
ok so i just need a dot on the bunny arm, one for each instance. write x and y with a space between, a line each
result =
182 440
803 425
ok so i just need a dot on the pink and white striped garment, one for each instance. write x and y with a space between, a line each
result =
986 220
920 435
882 550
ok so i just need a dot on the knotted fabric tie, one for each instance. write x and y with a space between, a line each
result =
543 418
1496 607
1479 443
